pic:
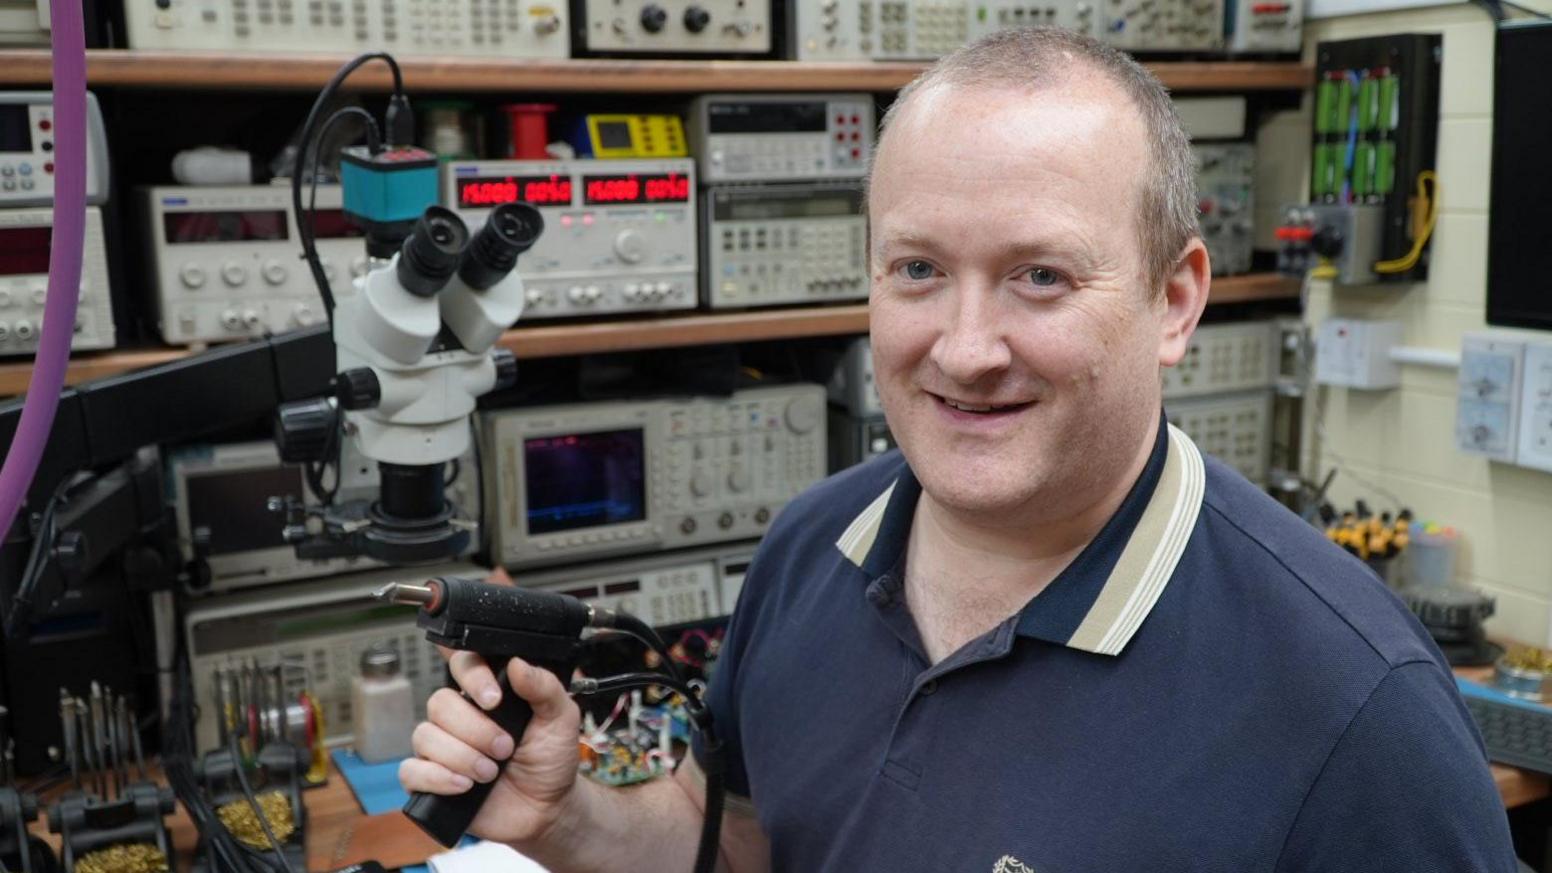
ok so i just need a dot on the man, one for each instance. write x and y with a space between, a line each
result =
1047 634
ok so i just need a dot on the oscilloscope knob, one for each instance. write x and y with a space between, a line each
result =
802 414
738 479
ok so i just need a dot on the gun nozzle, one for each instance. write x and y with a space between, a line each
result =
400 592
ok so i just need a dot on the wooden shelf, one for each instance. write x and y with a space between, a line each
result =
1253 288
634 334
209 70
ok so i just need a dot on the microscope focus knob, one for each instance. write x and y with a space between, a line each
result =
506 368
358 389
304 429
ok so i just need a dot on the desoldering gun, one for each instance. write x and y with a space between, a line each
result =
499 622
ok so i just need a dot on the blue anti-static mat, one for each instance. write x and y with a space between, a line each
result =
376 787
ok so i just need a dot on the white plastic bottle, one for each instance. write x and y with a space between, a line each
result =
382 706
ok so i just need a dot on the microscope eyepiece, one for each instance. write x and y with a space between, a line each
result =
430 255
512 229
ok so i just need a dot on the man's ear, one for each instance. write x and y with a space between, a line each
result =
1185 295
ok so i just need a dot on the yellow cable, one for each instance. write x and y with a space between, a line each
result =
1430 204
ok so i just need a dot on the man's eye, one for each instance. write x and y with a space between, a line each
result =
1043 277
918 270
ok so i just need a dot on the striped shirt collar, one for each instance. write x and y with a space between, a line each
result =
1100 600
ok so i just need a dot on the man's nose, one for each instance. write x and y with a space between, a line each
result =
973 343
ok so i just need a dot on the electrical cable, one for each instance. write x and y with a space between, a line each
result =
258 811
1352 137
374 142
1428 202
629 624
68 240
19 608
228 855
305 146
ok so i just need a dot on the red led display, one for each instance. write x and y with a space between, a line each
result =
332 224
24 251
549 190
635 188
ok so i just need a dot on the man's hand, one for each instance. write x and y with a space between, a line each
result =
459 744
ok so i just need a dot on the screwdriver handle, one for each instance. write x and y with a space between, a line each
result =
446 818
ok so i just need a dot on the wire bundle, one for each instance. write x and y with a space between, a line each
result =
227 852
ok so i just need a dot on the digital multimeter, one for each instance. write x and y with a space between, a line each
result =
629 136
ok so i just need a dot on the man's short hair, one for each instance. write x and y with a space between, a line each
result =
1038 57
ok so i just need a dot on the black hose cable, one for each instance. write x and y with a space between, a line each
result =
253 801
305 146
630 624
716 793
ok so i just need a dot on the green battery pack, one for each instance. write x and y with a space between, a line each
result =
1390 102
1368 104
1363 169
1320 183
1385 168
1344 104
1325 108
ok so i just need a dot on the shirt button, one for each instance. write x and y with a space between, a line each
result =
929 687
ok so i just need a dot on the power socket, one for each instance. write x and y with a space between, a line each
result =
1355 353
1535 449
1487 408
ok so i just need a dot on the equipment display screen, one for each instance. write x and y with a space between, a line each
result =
24 251
233 226
234 505
585 480
808 205
15 129
794 117
614 135
551 190
332 224
635 188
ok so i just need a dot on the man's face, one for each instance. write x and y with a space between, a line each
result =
1015 346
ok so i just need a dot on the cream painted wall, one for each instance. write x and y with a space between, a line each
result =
1403 440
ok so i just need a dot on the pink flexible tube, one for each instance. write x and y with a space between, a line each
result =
48 371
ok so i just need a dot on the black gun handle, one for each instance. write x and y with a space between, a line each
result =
446 818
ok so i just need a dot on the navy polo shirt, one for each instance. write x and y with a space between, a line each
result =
1210 685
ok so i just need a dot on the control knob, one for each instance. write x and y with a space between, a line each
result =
274 272
1327 242
802 414
629 245
696 19
653 17
304 429
701 483
234 273
192 275
738 479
